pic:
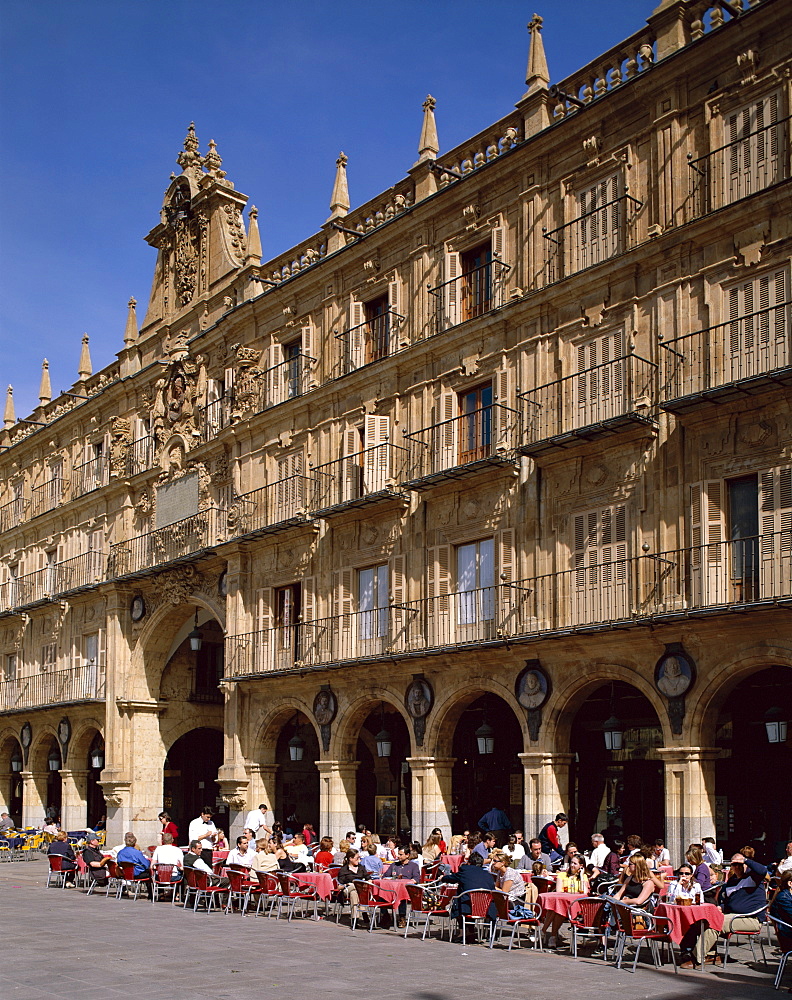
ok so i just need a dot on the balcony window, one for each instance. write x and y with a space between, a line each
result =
473 281
475 581
600 590
373 326
475 430
373 602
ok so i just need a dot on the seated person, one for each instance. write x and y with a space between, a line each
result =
266 859
298 852
509 880
220 844
404 867
141 865
485 846
742 892
95 860
660 854
352 871
339 857
194 860
781 909
168 854
61 846
470 876
371 861
243 854
387 851
785 864
686 888
534 854
6 823
324 856
573 877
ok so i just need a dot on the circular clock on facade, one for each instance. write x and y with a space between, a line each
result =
137 608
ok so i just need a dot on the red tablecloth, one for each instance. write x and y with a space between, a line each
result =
322 881
453 861
558 902
399 887
683 917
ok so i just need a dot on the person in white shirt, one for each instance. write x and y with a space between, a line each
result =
711 853
515 848
786 864
660 853
201 866
168 854
202 828
259 820
599 850
297 850
242 854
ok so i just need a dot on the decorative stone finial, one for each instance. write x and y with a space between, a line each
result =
190 158
428 144
537 75
45 389
339 200
131 329
254 237
85 368
213 162
9 417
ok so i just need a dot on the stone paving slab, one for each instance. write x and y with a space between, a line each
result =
63 945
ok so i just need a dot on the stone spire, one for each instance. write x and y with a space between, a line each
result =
213 162
9 417
428 144
189 159
254 237
131 329
339 200
537 75
85 368
45 389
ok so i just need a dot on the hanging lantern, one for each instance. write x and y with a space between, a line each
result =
296 747
485 737
97 758
384 743
613 731
16 761
195 637
54 760
776 725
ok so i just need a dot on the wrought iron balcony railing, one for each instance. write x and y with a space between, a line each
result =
455 447
375 338
47 496
12 514
755 348
750 163
140 457
83 570
589 403
472 293
212 418
589 239
365 477
90 476
287 380
271 507
171 543
53 687
747 572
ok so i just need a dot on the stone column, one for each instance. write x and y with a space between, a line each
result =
262 786
337 797
33 804
689 795
546 788
74 799
232 778
431 795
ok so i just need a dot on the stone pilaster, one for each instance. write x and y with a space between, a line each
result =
134 793
33 804
337 797
431 795
689 795
546 788
74 799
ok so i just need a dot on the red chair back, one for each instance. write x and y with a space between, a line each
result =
128 872
588 913
430 872
55 862
543 884
163 874
112 869
480 900
200 880
237 880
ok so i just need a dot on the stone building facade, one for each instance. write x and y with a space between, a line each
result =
500 460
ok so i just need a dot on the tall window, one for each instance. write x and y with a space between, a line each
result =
476 265
377 330
475 580
598 231
373 601
10 667
757 335
287 616
600 380
755 156
600 574
475 432
292 355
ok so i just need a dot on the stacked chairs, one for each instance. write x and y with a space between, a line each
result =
589 919
422 907
506 922
162 882
637 925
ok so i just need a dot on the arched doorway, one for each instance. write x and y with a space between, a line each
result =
752 803
494 778
383 787
12 788
618 790
297 779
189 778
94 764
54 781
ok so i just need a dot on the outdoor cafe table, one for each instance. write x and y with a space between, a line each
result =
322 881
397 887
559 902
453 861
682 918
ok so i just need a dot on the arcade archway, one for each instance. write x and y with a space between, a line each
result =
189 778
297 779
383 789
11 791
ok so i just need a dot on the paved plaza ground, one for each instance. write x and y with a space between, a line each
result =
61 945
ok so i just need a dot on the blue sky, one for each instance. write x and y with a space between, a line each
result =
96 96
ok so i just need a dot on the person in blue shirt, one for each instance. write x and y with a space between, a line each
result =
130 855
781 909
371 862
741 894
470 876
497 823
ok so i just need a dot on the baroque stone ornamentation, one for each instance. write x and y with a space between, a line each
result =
120 440
236 230
176 586
248 381
175 402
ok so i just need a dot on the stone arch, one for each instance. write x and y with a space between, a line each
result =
9 739
568 698
81 741
443 719
149 655
40 748
171 734
704 705
279 712
350 719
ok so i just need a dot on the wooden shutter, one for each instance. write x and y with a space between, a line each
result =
309 634
377 453
350 479
507 572
263 642
707 534
343 589
775 512
600 568
399 618
443 449
308 344
758 327
498 273
438 587
505 414
451 289
753 154
275 376
355 336
290 487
